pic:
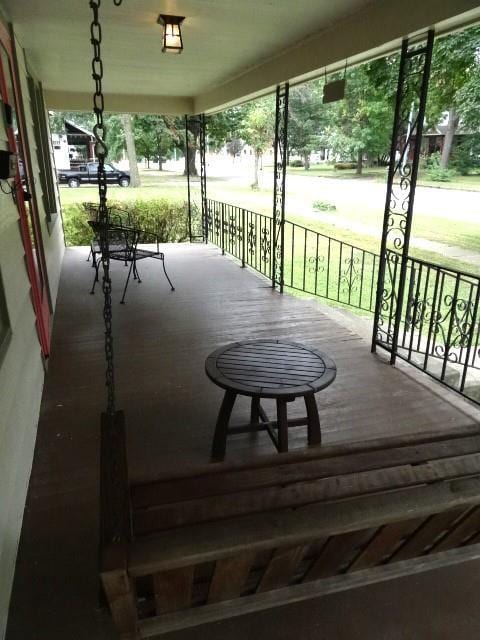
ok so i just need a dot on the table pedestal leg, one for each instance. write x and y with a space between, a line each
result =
282 425
254 416
219 444
255 411
314 435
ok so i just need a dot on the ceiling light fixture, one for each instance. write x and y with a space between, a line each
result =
172 34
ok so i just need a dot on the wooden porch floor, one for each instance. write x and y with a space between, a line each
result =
162 340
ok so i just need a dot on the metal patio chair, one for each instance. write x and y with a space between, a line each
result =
118 218
123 247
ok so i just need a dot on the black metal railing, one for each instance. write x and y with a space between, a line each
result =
329 268
242 233
440 324
440 321
313 263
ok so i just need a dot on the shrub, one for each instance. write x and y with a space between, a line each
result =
435 172
75 225
323 205
345 165
296 163
466 155
167 218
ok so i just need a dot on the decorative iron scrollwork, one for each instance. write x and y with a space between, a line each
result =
280 152
251 240
316 264
217 224
265 245
350 276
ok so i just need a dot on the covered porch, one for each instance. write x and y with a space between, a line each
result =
161 342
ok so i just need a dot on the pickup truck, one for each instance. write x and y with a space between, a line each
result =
87 174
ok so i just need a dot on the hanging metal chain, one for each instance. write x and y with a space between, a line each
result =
101 151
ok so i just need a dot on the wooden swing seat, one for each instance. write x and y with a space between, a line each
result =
230 540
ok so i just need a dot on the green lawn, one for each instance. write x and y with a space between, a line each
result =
173 186
153 186
379 174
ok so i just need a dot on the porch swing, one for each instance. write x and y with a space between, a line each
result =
185 551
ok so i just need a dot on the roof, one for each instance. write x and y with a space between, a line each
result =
77 129
234 50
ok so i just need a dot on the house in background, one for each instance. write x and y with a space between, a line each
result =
44 64
433 138
73 148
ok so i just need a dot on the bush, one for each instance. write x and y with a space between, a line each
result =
323 205
435 172
345 165
296 163
466 155
167 218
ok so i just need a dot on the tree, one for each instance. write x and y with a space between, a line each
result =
155 136
115 137
126 120
454 84
83 119
193 133
235 147
258 129
361 123
225 126
307 119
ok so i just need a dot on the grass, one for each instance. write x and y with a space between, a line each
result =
379 174
171 185
372 244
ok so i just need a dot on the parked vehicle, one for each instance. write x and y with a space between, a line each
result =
87 174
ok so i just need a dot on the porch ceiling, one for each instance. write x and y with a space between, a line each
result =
233 50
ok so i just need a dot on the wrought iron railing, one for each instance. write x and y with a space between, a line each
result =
313 263
440 321
242 233
329 268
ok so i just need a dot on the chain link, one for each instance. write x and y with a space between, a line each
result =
101 151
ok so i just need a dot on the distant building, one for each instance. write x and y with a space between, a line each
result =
73 148
434 138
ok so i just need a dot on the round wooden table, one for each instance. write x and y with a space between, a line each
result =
268 369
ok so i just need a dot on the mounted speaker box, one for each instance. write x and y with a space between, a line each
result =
8 165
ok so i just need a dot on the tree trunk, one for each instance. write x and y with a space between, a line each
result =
192 152
359 163
160 160
306 161
148 162
453 119
255 174
131 151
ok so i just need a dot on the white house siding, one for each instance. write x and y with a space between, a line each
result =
21 366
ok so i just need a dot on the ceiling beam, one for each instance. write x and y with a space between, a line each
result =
119 103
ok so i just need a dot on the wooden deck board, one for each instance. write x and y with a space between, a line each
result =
161 341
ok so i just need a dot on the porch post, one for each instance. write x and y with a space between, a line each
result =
203 177
187 157
402 178
279 167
